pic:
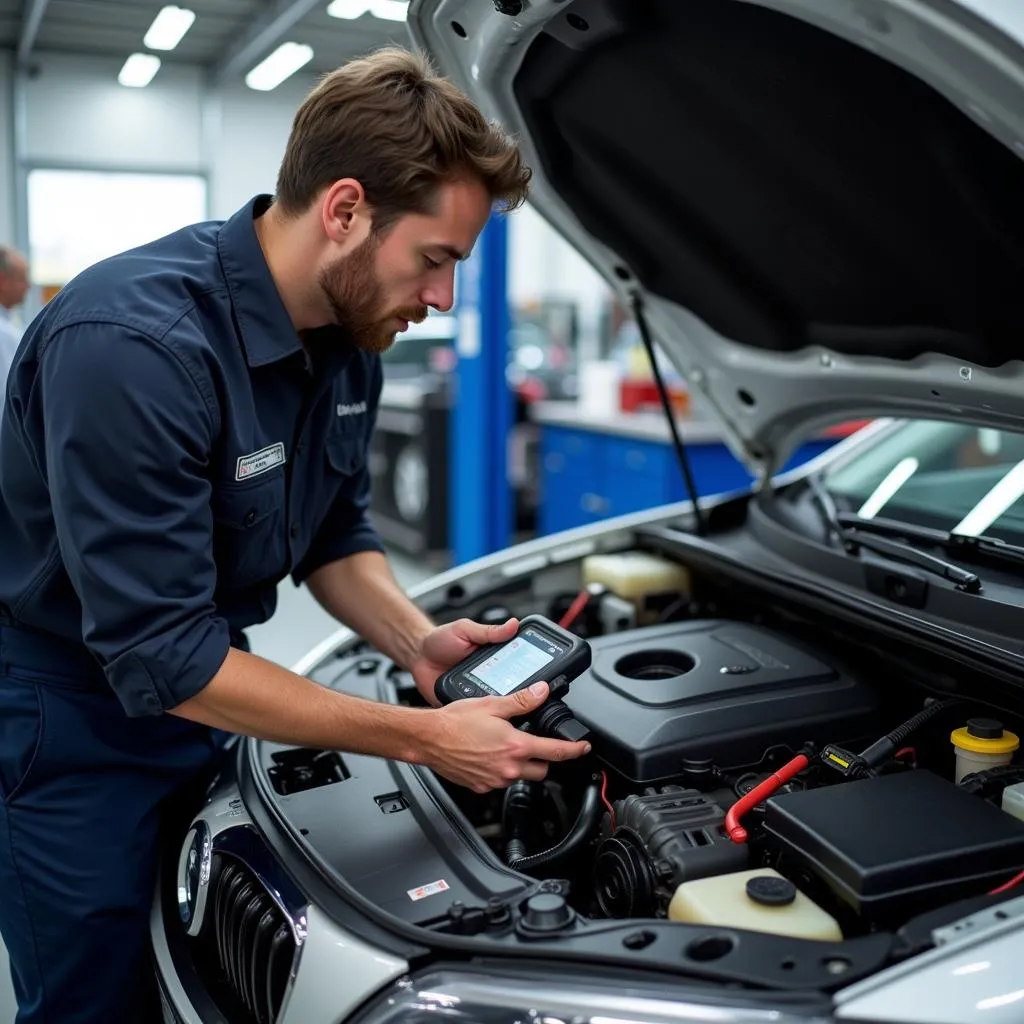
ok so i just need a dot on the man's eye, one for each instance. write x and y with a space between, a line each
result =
431 264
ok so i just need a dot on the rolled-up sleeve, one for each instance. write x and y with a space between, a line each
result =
128 439
347 529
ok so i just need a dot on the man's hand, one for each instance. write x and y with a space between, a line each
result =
476 746
448 645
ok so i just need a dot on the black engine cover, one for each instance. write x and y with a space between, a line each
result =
656 697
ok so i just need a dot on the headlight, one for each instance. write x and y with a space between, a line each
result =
194 876
501 999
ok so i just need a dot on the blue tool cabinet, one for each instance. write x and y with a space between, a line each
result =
590 472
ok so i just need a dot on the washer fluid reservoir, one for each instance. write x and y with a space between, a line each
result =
760 900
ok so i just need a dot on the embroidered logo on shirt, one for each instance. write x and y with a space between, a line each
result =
259 462
351 410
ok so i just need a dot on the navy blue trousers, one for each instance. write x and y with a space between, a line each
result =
85 791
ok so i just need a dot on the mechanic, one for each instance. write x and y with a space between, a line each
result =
187 424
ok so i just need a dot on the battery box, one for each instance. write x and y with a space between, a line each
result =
896 845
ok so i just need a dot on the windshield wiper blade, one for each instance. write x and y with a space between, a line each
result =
991 547
853 537
963 578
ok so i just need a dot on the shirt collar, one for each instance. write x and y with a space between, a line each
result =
263 322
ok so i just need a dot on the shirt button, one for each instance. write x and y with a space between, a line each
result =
250 517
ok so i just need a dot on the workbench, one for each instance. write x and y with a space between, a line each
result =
594 468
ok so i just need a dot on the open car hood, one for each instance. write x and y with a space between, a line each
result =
820 205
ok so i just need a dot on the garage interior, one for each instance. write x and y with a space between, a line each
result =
103 126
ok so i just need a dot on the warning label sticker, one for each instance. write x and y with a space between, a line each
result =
430 889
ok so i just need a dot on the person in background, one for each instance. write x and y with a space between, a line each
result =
13 289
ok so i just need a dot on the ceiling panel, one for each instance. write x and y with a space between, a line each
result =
115 28
93 26
335 40
218 23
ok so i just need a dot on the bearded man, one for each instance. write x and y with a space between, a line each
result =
187 424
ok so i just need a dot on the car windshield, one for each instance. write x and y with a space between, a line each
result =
948 476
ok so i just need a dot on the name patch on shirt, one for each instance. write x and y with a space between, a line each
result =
259 462
353 409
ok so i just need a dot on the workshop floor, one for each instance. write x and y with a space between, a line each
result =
298 625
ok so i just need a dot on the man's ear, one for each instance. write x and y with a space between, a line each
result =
344 212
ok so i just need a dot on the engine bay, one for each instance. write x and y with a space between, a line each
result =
728 784
691 718
754 769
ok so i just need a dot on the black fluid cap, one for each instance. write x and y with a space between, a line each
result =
547 912
770 891
985 728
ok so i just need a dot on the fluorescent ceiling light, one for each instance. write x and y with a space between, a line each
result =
1005 493
282 63
169 27
138 70
886 490
387 10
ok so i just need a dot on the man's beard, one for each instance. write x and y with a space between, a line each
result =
356 298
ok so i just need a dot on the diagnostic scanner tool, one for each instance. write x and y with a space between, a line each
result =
540 650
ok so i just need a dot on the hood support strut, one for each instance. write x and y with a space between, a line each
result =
677 440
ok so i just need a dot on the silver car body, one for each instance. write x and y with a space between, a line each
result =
970 51
973 975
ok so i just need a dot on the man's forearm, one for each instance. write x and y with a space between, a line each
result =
254 697
362 592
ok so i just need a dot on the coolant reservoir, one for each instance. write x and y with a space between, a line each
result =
635 575
760 900
982 743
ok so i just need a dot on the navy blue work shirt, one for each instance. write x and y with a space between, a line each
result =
170 451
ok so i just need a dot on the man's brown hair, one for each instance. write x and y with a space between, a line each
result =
391 123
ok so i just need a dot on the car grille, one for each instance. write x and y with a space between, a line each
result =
250 940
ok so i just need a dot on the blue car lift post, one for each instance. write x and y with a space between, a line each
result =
480 505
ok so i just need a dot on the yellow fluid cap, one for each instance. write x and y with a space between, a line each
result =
984 736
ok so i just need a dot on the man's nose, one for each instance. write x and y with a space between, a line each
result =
440 294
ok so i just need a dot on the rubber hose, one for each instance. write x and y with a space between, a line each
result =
515 850
516 814
904 731
586 822
882 750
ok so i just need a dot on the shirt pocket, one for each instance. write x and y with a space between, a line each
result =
250 544
345 453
